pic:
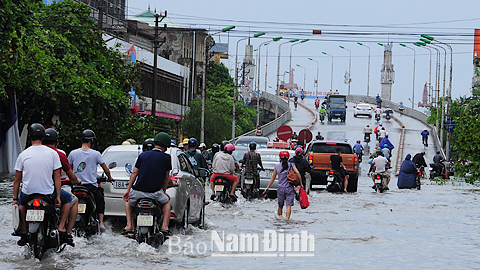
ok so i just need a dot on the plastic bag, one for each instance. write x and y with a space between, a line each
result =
15 218
303 199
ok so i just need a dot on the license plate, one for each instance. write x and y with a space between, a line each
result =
249 181
120 184
81 208
268 173
219 188
144 220
35 215
378 181
330 179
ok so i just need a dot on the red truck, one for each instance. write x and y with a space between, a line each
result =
318 154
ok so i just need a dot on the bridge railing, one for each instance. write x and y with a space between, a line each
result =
408 112
272 126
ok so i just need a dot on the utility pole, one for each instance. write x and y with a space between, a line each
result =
100 15
155 55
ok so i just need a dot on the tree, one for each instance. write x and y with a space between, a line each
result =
57 64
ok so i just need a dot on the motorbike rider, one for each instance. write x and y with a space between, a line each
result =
401 107
381 163
425 134
150 179
322 111
367 131
338 166
295 101
259 131
294 136
224 165
336 92
379 101
319 137
386 141
251 160
358 148
381 134
39 168
84 160
51 140
378 111
438 163
419 161
197 159
203 149
301 163
386 152
211 154
407 174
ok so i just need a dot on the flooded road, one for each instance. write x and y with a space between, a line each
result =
434 228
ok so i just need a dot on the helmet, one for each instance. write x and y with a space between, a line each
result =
203 145
298 151
180 145
379 152
426 129
385 145
252 145
368 125
185 141
215 148
358 141
284 154
192 142
222 145
51 135
36 130
378 106
173 144
148 145
88 134
163 139
380 124
229 147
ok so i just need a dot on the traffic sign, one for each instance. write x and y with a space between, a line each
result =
284 132
305 136
449 124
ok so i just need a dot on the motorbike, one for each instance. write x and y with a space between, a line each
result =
43 218
317 104
87 223
379 182
436 171
250 186
377 117
222 190
149 222
295 103
366 137
334 182
418 183
387 116
425 141
359 155
401 111
322 117
302 97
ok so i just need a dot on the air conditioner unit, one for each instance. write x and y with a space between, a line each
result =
141 106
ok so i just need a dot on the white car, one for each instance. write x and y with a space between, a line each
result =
363 109
187 197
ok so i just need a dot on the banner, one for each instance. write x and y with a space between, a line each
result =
10 146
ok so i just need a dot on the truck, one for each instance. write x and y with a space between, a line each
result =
318 153
336 107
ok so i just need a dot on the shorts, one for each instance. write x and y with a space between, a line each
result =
385 174
285 196
65 198
159 196
230 177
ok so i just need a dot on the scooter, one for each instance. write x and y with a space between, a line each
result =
149 222
250 185
43 218
322 117
377 117
387 116
401 111
222 190
334 182
436 171
359 155
379 182
317 104
366 137
418 183
295 103
87 223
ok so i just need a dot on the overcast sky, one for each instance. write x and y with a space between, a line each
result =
342 23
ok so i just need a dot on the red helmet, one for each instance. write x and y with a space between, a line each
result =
284 154
378 106
358 141
229 147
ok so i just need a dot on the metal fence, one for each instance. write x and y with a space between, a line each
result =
408 112
272 126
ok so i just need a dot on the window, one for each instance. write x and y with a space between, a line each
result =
185 164
326 148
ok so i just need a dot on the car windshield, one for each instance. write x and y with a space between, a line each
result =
121 158
365 107
238 153
262 144
330 148
337 106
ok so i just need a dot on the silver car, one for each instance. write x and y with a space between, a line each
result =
269 159
187 197
246 140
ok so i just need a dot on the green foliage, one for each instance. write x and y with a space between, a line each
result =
218 110
58 64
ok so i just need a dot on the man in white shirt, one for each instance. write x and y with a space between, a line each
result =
35 167
381 164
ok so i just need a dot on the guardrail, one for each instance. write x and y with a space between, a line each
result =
272 126
408 112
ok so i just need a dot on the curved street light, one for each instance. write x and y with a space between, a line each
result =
304 76
278 72
316 83
414 56
331 72
368 76
349 67
290 65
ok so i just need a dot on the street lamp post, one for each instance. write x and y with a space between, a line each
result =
290 65
278 73
349 67
304 76
236 81
430 70
316 84
413 87
204 88
266 67
368 76
331 72
437 81
258 81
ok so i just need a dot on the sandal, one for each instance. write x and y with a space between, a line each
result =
166 232
66 238
126 231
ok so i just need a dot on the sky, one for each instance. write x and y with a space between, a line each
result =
343 23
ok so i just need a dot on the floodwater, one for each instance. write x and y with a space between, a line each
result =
436 227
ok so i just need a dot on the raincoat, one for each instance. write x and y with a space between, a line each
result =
408 171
